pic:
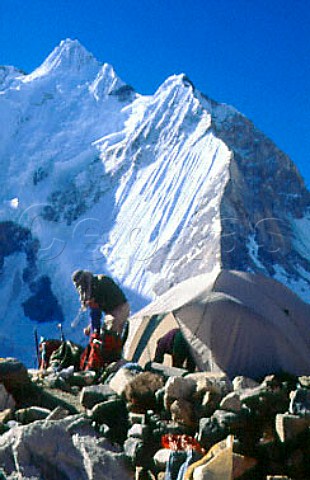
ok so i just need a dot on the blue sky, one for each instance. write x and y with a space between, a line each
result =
252 54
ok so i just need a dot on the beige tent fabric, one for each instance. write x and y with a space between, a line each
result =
148 352
269 299
168 302
240 340
179 295
242 323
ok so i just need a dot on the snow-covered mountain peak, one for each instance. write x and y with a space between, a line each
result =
107 83
180 87
149 189
177 94
175 83
180 79
71 53
69 57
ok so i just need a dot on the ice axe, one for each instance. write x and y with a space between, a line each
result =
36 341
77 319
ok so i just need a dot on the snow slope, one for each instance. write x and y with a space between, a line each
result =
150 189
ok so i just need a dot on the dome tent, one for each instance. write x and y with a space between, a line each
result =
238 322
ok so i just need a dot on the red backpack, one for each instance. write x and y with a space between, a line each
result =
111 346
101 350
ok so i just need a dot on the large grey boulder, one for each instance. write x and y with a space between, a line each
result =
300 402
14 376
211 382
177 388
241 383
210 432
182 412
289 426
94 394
113 414
140 392
31 414
134 449
58 413
121 379
166 371
60 450
231 402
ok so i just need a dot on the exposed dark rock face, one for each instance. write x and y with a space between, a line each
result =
264 194
15 238
124 93
42 306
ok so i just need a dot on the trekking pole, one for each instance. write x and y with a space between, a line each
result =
62 337
36 340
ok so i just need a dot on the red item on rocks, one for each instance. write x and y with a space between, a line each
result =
181 442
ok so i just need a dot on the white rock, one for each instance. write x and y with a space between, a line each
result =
138 430
161 458
120 380
182 412
211 382
178 388
66 372
240 383
231 402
